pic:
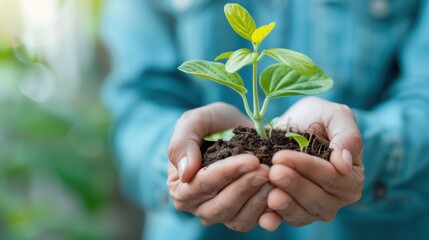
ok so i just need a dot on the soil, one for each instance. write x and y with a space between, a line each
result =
246 140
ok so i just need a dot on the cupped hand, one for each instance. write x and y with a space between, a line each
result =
308 188
232 191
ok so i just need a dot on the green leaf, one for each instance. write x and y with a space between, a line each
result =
298 61
301 140
225 135
280 80
240 20
240 58
224 55
214 71
259 34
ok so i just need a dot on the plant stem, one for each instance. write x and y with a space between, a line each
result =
255 90
260 57
264 106
246 106
260 129
257 117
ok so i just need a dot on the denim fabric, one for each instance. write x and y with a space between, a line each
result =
377 52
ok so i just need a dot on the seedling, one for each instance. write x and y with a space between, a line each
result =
294 74
225 135
300 139
271 124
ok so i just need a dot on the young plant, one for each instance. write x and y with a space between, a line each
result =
225 135
271 124
300 139
294 74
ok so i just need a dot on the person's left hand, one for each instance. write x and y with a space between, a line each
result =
308 188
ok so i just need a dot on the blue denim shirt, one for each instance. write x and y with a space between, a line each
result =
377 52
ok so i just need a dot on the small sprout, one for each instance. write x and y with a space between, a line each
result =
294 74
300 139
271 124
225 135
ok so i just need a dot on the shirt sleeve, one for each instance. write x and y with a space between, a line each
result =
144 93
395 133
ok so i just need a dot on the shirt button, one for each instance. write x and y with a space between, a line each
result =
379 8
379 191
182 5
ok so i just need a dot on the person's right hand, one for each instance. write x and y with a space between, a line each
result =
232 191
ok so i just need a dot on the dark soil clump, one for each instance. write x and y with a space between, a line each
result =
246 140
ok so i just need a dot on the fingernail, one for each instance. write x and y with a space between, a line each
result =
347 157
183 164
265 190
258 181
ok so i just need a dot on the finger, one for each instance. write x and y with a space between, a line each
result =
270 221
345 139
248 216
288 209
208 182
192 127
173 175
310 196
347 151
227 203
323 173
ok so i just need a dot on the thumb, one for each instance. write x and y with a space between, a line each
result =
345 137
342 160
185 155
347 150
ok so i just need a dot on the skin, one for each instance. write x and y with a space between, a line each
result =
231 191
298 189
307 188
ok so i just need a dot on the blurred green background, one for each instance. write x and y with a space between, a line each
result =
57 174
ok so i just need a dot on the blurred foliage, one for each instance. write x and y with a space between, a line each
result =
57 176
